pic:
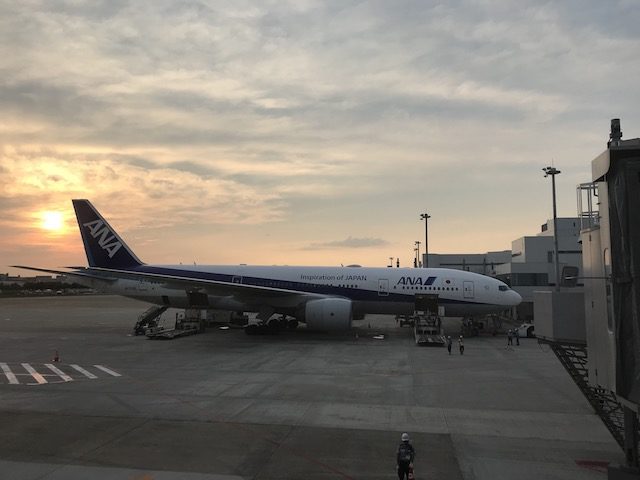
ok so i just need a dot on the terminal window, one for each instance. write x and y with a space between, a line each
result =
529 279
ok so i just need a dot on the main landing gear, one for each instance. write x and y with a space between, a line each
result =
271 326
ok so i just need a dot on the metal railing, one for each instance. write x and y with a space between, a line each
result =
588 205
573 358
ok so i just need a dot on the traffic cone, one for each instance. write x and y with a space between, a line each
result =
411 476
56 356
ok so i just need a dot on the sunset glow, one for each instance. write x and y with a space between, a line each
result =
52 221
303 133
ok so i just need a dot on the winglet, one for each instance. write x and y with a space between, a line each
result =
103 246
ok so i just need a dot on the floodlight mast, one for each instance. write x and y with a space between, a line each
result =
425 216
552 171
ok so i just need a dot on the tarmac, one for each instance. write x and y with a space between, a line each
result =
298 405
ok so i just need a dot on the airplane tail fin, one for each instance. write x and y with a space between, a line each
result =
103 246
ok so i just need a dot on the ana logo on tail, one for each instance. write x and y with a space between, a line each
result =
107 241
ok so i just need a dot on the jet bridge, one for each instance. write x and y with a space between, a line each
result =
597 339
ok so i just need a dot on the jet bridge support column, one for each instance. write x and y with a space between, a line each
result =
631 437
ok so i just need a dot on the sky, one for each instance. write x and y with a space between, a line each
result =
303 132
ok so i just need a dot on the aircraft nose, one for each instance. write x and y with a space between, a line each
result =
514 298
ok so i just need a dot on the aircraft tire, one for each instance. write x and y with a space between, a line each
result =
252 329
272 327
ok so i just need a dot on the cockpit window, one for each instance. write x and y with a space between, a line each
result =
503 288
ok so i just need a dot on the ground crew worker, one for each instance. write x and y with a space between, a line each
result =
517 335
405 457
509 337
461 345
449 342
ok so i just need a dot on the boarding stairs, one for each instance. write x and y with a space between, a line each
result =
162 333
427 324
148 319
427 330
188 323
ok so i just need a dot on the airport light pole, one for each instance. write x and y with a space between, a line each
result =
552 171
417 242
425 216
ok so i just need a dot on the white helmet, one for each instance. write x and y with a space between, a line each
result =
405 437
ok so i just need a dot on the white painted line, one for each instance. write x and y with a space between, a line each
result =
83 371
107 370
38 378
10 375
59 372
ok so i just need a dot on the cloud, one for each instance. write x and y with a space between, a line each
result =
349 242
268 114
193 167
51 177
271 76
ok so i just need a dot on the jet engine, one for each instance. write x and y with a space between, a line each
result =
328 314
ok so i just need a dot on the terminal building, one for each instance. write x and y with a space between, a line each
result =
6 279
528 266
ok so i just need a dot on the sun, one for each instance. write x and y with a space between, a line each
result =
52 221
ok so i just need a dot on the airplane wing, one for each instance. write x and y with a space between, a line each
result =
178 282
212 287
70 273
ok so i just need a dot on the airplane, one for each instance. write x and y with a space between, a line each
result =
325 298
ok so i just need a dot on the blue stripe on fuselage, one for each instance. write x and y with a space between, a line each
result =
356 294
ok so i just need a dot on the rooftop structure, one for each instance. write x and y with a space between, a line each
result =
528 266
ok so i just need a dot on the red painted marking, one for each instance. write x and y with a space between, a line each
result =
595 465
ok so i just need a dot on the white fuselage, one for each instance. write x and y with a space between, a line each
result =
372 290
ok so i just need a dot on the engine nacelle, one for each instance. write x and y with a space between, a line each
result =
328 314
